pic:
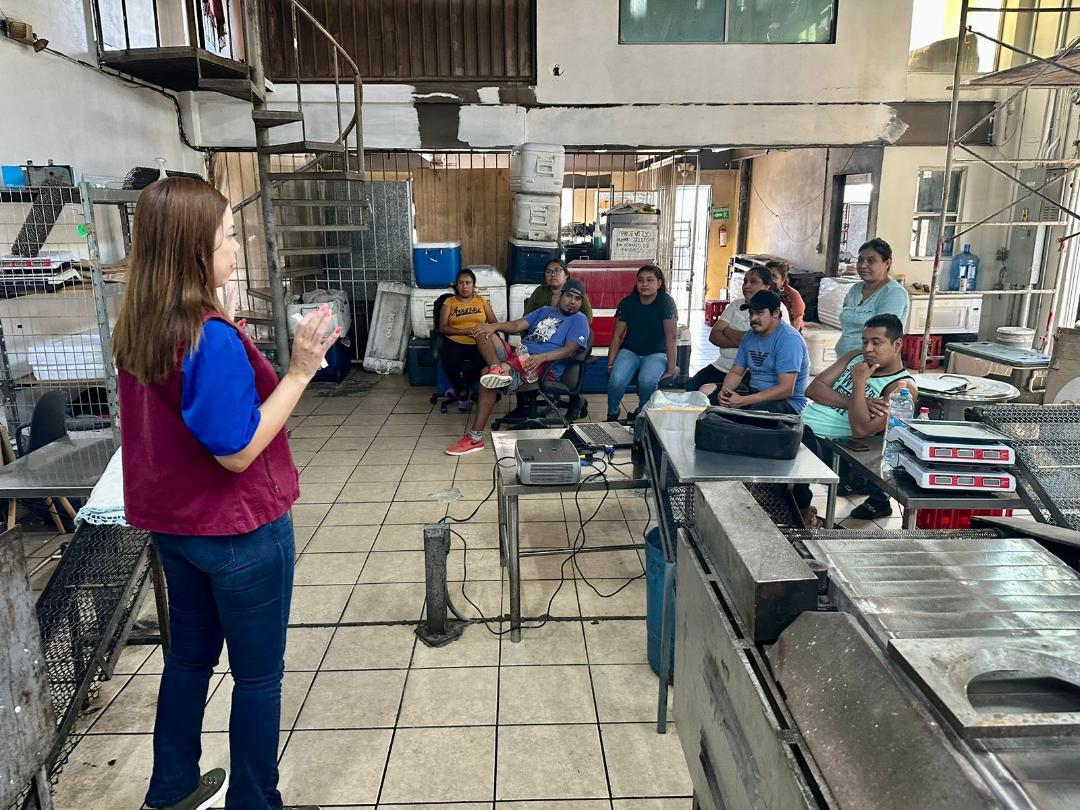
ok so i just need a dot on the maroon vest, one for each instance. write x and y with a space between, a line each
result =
173 485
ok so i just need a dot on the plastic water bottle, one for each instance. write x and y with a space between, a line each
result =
964 271
523 355
901 406
924 414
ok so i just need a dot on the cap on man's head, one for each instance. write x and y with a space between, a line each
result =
574 286
762 300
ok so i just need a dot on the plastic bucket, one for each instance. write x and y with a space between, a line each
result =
1020 336
654 600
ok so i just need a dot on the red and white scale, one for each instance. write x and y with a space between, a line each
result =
956 455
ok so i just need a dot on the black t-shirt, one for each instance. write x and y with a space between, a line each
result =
645 322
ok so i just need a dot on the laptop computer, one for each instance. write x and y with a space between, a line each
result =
601 434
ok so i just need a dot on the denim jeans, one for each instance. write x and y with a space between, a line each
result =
236 589
649 369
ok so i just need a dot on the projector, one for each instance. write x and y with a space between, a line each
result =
547 462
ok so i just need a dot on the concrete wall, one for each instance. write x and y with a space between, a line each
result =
55 109
791 198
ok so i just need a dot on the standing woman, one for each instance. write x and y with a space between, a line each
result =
209 474
789 296
643 340
876 294
459 316
547 294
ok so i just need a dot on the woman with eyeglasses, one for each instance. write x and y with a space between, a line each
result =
875 294
547 294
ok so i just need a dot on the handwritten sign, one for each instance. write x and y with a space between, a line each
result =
633 243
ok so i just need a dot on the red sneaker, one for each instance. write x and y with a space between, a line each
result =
495 378
467 444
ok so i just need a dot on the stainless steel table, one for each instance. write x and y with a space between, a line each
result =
508 489
675 465
903 488
68 467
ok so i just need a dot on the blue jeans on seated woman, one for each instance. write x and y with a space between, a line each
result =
237 589
649 369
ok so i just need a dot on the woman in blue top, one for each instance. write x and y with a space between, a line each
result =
875 294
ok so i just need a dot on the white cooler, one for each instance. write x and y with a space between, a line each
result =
422 306
536 217
537 168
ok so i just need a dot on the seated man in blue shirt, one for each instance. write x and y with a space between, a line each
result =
553 334
775 355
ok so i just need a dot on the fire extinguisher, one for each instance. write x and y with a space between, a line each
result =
722 233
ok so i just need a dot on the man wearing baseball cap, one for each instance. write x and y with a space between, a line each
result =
775 355
552 335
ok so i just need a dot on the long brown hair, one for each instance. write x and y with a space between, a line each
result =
170 276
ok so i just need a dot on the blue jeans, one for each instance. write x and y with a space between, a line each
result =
649 370
224 588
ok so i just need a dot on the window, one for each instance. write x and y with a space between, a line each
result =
934 26
747 21
924 225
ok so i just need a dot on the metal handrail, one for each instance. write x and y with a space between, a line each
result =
355 122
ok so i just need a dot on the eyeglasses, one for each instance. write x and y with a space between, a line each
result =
554 271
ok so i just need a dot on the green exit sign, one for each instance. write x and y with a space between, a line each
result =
721 212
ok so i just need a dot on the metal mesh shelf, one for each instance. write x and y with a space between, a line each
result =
1047 443
84 612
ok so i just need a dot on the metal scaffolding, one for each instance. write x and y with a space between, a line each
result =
1060 72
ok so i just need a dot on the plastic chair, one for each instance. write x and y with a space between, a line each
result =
48 423
563 393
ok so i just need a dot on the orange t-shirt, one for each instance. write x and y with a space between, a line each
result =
465 315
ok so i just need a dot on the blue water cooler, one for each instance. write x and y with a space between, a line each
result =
964 271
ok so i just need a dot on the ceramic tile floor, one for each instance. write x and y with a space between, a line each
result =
373 718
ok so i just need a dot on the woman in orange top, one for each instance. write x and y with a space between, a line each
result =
458 317
780 270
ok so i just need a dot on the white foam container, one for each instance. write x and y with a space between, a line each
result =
537 168
519 294
536 217
422 306
821 345
487 275
388 334
831 295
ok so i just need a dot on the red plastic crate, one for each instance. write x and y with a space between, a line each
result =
912 351
602 327
953 518
713 310
606 283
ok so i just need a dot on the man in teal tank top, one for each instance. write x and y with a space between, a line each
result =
850 399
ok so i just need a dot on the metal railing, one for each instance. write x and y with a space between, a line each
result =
354 126
197 24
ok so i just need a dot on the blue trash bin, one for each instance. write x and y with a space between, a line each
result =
654 600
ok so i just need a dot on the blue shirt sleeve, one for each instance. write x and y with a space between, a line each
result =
578 330
741 357
789 350
532 317
220 405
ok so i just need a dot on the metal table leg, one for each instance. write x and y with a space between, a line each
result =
500 499
909 518
830 507
513 565
667 622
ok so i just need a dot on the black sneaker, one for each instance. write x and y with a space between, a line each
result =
871 510
211 789
612 417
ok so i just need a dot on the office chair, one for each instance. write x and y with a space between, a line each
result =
438 339
563 393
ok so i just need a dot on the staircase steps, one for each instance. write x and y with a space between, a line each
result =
265 119
293 147
242 89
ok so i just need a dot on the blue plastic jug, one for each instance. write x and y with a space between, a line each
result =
964 271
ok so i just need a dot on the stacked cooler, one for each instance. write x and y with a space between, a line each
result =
536 181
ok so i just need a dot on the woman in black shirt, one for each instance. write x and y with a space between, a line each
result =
643 341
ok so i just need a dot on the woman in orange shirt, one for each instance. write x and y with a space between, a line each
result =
796 307
458 317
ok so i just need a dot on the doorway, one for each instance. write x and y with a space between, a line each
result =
690 247
850 220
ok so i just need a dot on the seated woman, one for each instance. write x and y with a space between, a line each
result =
643 341
458 318
728 332
789 296
547 294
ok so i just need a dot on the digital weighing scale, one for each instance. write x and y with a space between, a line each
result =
954 442
957 476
